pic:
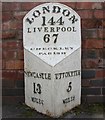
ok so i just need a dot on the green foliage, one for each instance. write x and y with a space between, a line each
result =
83 108
89 108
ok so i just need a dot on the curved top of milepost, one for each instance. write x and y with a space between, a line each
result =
51 9
52 32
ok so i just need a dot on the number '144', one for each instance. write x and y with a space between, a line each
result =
51 21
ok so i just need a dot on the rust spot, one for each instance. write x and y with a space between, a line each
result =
48 113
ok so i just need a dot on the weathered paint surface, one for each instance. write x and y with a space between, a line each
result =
52 55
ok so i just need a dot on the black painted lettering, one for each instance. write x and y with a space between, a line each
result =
29 31
56 9
34 29
63 29
60 74
36 13
66 48
49 76
43 48
30 21
55 48
46 38
46 9
55 36
73 18
51 21
67 74
69 29
39 29
60 21
69 87
69 99
45 29
58 53
52 29
49 53
57 29
38 75
37 100
37 88
79 72
71 48
74 29
71 73
56 76
43 21
42 75
66 13
34 88
61 48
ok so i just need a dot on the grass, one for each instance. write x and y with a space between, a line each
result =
89 108
26 111
83 108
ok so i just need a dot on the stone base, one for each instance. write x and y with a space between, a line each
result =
53 90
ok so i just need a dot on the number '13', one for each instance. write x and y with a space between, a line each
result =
37 88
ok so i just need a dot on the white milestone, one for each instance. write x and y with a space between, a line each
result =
52 58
